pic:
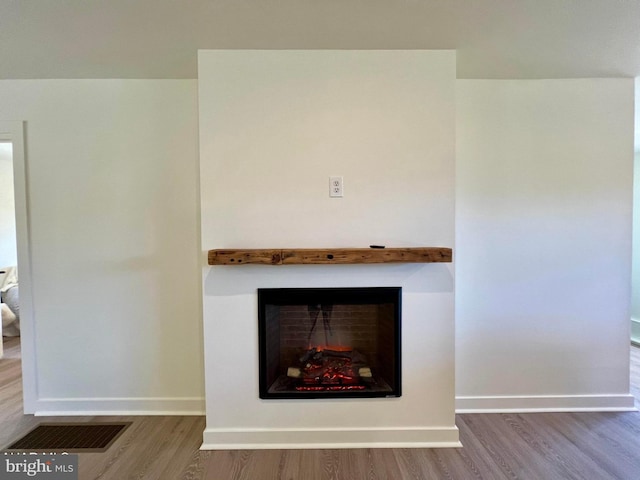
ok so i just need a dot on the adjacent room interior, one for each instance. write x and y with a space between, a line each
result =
9 289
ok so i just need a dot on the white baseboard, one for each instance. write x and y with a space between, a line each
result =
635 330
119 406
270 438
546 403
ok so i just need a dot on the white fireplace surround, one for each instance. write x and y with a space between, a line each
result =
274 126
423 416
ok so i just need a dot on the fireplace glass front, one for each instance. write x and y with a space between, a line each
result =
329 342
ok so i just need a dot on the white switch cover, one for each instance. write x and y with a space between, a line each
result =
336 188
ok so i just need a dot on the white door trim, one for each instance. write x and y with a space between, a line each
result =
14 132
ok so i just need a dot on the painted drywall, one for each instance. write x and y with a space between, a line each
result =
8 251
543 243
113 212
274 126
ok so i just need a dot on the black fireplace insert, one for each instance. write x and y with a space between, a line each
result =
329 342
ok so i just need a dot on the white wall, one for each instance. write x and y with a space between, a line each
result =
544 195
543 243
8 252
274 125
112 181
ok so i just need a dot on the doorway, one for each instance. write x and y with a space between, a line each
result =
13 133
9 288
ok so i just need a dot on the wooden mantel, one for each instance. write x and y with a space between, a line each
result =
327 256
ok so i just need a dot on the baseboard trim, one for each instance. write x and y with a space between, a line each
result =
119 406
256 439
546 403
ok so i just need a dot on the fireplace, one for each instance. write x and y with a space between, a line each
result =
329 342
299 215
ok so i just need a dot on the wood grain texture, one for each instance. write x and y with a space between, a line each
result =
328 256
244 257
533 446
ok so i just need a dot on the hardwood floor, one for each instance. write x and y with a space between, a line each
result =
536 446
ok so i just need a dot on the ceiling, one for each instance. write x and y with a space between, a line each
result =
160 38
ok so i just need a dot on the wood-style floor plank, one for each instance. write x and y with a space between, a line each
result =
549 446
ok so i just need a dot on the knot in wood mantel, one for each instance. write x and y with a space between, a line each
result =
328 256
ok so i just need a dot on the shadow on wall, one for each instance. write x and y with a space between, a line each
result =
234 280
